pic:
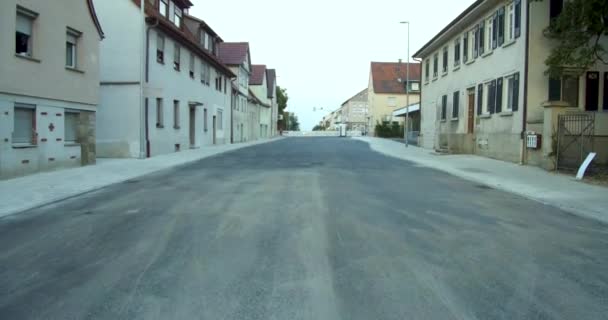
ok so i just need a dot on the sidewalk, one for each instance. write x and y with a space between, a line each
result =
534 183
38 189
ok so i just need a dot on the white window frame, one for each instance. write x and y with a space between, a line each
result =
160 48
488 35
510 22
178 15
176 57
163 7
457 45
192 65
435 65
471 48
391 101
72 38
445 60
28 29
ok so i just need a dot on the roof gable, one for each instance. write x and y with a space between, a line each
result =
234 53
385 76
271 79
258 73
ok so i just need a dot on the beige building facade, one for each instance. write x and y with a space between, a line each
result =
49 88
354 112
386 91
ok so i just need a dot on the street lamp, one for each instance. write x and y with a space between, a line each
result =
407 84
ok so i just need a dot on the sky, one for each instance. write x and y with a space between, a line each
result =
322 49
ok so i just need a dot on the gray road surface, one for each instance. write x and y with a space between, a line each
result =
302 228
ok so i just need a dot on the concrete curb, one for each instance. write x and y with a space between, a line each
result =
52 200
576 210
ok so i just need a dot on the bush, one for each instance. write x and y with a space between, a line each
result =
389 130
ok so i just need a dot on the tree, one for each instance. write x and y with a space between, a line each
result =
578 31
294 124
318 128
282 99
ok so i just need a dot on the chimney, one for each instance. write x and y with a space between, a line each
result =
400 60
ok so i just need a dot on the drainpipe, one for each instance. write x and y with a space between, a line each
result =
524 151
142 76
146 134
419 101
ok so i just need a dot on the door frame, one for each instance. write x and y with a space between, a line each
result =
471 99
192 126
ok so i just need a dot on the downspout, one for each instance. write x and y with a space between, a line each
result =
522 159
419 100
146 136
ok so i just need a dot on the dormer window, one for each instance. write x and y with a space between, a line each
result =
177 19
163 7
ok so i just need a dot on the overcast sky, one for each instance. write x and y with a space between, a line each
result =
322 49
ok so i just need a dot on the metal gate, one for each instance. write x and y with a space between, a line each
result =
575 133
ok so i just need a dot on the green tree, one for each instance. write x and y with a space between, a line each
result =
282 99
578 32
318 128
294 124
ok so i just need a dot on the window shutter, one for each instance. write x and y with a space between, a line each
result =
444 106
479 98
495 31
555 8
555 89
517 18
501 26
499 95
24 24
456 104
482 28
515 105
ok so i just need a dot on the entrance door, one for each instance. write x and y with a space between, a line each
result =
192 120
214 128
471 114
592 92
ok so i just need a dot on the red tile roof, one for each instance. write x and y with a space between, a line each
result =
233 53
257 74
385 76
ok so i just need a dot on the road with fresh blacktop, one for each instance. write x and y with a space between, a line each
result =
302 228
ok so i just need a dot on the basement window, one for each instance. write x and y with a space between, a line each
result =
24 131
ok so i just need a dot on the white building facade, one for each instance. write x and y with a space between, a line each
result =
237 57
485 89
49 85
181 99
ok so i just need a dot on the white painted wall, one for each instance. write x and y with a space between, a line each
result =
500 62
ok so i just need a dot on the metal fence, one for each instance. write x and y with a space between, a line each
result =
575 132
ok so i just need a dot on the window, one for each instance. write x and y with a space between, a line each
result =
205 73
495 31
510 22
435 65
220 119
159 113
176 57
71 48
192 65
177 19
479 98
392 101
555 8
163 6
490 101
445 60
24 131
160 49
201 38
517 27
427 66
24 31
501 26
564 89
457 52
414 86
456 104
489 34
176 121
205 120
444 107
475 36
71 127
511 94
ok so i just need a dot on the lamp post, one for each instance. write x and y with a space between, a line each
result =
407 84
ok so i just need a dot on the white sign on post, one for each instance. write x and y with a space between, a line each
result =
586 163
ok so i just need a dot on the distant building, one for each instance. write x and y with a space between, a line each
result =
237 57
387 90
49 85
354 112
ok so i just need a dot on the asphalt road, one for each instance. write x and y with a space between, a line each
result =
302 228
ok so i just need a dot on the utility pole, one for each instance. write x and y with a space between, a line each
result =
407 85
